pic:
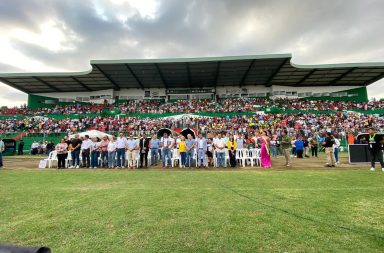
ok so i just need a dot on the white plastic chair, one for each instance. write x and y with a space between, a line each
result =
51 158
239 156
226 157
175 159
255 157
245 157
69 159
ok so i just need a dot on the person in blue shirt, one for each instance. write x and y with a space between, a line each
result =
299 143
154 145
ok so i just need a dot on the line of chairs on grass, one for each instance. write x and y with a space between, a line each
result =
244 157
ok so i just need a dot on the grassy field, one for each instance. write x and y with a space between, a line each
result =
194 211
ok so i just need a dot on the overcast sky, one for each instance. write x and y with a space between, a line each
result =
64 35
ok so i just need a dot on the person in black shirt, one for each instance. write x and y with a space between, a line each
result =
76 145
21 148
328 145
375 147
144 148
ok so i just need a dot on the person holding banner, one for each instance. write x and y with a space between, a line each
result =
375 147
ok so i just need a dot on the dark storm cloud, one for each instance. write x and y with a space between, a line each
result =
328 31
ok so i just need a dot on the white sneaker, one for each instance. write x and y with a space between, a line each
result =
382 169
372 169
71 167
77 166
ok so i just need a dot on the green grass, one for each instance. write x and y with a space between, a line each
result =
193 211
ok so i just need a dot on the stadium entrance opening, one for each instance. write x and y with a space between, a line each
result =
190 93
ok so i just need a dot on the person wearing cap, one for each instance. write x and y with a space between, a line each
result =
375 147
328 143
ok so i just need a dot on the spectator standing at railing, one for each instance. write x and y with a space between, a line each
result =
2 149
286 147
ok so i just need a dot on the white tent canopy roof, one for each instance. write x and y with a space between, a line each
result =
91 134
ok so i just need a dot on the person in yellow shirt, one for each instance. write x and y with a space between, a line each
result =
182 151
232 145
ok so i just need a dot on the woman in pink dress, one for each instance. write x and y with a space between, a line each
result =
264 153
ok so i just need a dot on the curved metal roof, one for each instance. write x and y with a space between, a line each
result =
275 69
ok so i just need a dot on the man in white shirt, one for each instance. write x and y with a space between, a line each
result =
86 151
167 144
220 151
35 148
121 145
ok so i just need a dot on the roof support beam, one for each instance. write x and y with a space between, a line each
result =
268 83
341 76
217 73
135 76
302 80
117 87
246 73
14 85
161 75
81 83
46 83
375 79
189 74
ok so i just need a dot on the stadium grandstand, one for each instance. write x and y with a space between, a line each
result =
253 76
230 94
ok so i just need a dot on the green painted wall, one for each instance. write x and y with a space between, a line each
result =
361 92
36 102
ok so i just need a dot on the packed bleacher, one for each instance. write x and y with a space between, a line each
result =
195 106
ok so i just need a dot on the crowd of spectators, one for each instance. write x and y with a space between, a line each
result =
195 106
340 122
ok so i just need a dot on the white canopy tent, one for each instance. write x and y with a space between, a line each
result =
91 134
